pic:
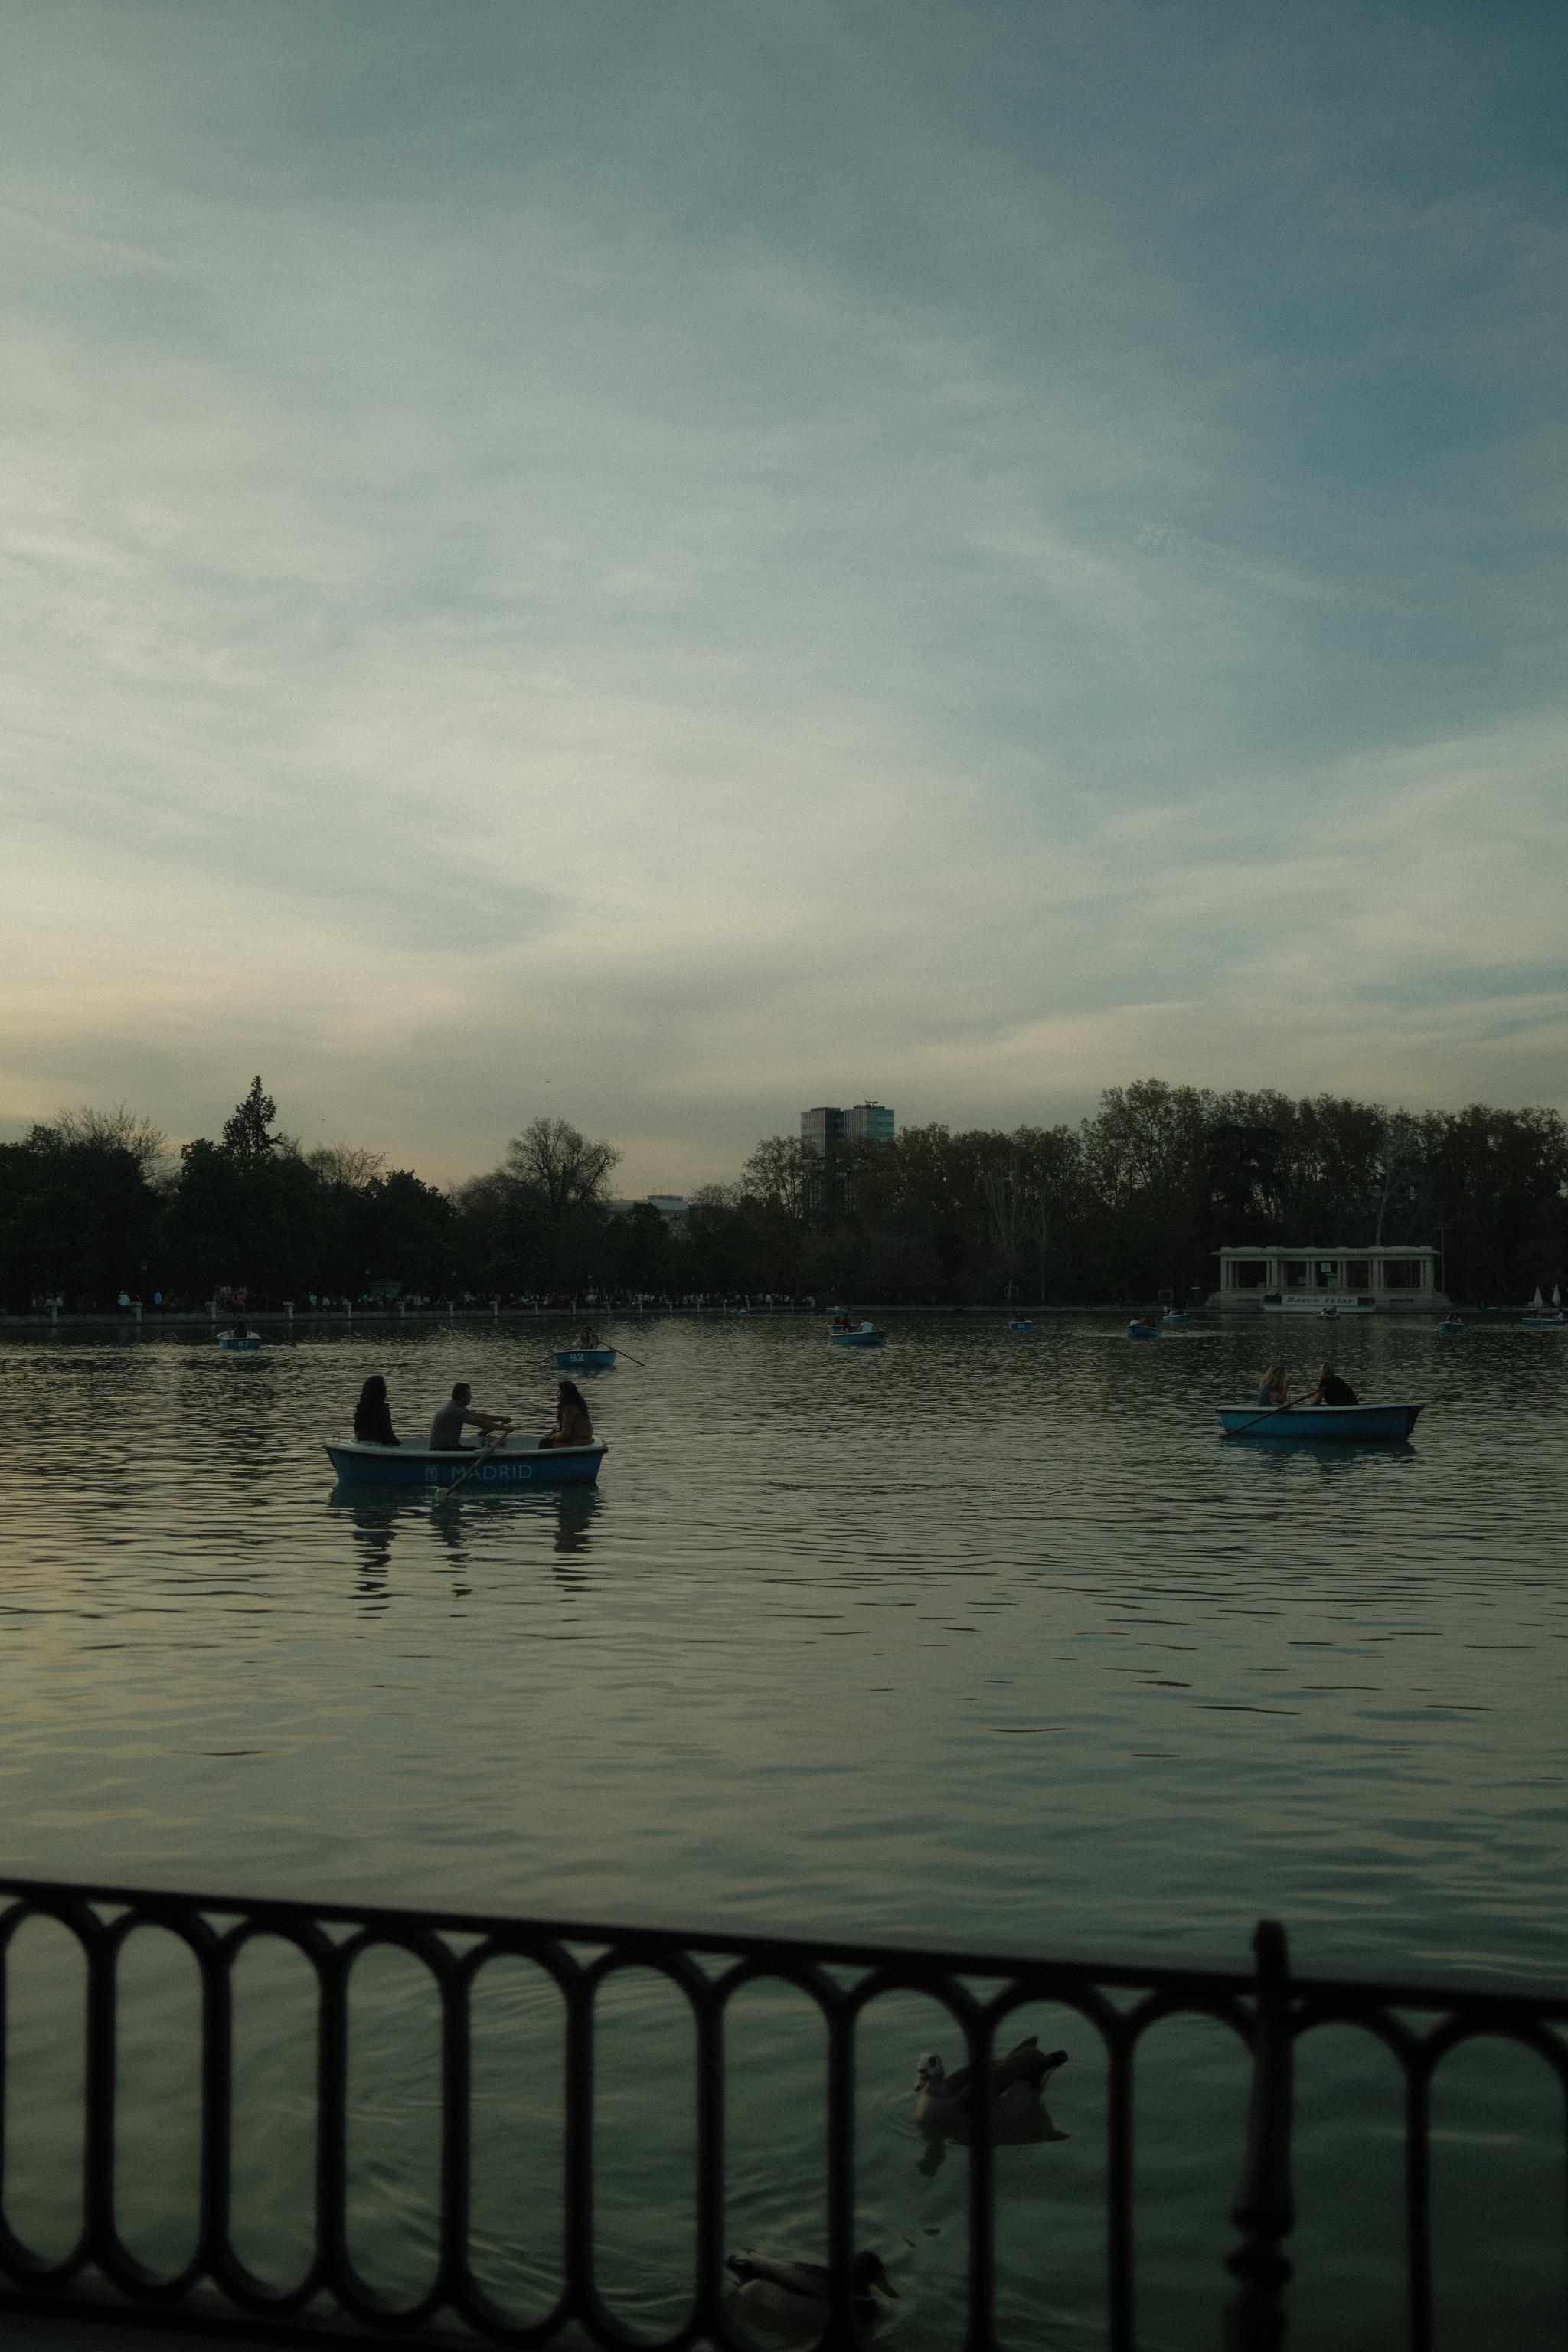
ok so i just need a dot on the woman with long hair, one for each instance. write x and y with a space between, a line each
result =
1274 1387
372 1414
573 1426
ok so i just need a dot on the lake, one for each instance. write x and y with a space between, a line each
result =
979 1637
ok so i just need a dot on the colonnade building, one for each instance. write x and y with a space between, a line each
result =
1355 1280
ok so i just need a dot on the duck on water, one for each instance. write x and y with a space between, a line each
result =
797 2296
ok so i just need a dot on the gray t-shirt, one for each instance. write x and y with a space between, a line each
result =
447 1429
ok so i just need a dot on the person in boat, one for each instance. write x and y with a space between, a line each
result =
241 1330
1274 1387
372 1414
447 1429
588 1337
573 1426
1331 1389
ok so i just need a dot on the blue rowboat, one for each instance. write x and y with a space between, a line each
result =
1020 1325
520 1462
232 1344
857 1338
1176 1315
1450 1329
583 1360
1137 1330
1337 1422
1543 1322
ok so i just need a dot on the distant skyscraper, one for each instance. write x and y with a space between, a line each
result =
821 1126
868 1122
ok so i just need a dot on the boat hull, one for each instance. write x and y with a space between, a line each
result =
503 1467
1142 1331
857 1338
1332 1423
1543 1322
583 1360
248 1346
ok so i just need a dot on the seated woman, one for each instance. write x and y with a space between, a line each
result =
573 1426
372 1415
587 1336
1274 1387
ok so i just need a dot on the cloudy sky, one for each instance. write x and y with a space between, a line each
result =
667 562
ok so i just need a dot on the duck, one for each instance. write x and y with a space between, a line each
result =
782 2288
1018 2087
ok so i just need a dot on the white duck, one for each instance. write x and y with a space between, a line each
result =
943 2101
795 2294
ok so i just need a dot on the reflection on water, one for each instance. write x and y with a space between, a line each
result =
975 1635
381 1517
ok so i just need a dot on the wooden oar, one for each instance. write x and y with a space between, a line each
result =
1290 1406
485 1446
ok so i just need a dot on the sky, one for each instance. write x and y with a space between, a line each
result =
663 564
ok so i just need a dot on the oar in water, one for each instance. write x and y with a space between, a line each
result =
1290 1406
484 1448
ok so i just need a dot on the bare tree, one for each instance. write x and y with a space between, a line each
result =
348 1167
563 1168
778 1173
1005 1211
117 1129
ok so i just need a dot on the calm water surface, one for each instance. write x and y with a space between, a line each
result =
976 1636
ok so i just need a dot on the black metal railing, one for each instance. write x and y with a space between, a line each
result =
1268 2010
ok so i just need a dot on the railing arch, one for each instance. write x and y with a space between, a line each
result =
1266 2008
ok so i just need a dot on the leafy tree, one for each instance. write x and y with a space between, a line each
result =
248 1132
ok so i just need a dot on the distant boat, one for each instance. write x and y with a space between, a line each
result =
1143 1327
583 1360
1318 1421
240 1343
1020 1323
868 1335
1450 1328
1178 1315
517 1462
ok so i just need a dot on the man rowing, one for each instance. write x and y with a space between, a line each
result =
1331 1389
452 1418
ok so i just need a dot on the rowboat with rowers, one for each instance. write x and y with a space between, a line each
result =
1321 1422
516 1462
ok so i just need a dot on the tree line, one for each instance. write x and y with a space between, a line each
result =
1129 1206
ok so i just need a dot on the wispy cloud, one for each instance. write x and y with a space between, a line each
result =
670 568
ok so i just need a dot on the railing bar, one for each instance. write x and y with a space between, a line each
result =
1264 2207
578 2152
709 2162
1419 2202
1120 2286
1533 2002
456 2136
982 2334
331 2124
840 2331
98 2152
217 2107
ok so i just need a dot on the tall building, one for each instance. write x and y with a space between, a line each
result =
821 1128
868 1122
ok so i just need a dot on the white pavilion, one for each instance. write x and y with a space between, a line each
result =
1357 1281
